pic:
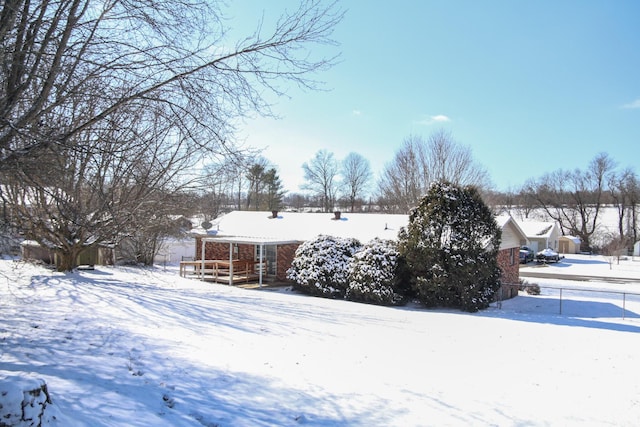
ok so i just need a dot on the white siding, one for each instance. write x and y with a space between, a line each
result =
510 238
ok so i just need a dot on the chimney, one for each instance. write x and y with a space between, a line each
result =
274 214
336 215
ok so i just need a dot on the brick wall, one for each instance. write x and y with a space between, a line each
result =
215 250
285 256
509 263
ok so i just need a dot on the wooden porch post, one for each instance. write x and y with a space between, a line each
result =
230 264
260 264
202 258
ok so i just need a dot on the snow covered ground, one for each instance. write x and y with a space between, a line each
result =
125 346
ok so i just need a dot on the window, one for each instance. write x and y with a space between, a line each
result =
269 254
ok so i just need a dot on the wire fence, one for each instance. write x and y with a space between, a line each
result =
575 301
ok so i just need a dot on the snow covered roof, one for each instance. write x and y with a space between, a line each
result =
574 239
260 226
537 229
291 227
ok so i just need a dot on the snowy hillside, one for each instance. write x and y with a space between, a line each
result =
123 346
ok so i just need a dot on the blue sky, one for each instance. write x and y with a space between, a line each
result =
529 86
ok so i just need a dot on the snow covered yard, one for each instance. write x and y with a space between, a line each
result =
125 346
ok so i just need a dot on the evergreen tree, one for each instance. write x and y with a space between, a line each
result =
450 249
274 190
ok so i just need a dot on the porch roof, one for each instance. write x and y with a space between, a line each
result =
248 240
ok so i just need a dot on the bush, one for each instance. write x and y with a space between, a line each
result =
372 274
533 289
451 248
320 266
530 288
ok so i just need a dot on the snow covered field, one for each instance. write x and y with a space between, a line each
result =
125 346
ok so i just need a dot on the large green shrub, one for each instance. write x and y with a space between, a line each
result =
450 248
372 274
320 266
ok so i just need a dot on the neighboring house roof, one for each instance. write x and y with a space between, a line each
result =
537 229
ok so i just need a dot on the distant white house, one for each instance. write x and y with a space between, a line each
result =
541 234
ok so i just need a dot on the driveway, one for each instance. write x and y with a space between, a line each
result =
586 268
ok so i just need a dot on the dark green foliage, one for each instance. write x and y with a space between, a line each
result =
450 248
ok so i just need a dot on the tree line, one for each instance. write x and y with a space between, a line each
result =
576 199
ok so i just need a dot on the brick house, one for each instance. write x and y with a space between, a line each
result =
274 237
509 255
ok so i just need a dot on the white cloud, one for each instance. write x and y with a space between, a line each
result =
632 104
438 118
356 112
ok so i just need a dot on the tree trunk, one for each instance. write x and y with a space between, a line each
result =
66 259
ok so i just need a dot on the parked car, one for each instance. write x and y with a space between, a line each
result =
547 255
526 255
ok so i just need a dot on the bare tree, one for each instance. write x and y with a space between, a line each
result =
525 200
575 198
219 182
320 176
622 187
614 248
115 54
356 175
296 201
419 163
118 97
70 200
633 192
400 185
443 159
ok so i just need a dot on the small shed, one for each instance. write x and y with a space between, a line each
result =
569 245
96 255
32 250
